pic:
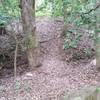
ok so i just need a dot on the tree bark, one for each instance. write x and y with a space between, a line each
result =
64 10
29 27
97 41
97 47
64 18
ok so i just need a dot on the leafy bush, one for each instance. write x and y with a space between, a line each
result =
82 14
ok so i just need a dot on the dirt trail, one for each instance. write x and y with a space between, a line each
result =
55 78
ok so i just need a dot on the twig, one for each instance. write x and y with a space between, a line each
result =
15 60
93 9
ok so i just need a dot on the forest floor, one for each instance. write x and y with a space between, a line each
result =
56 78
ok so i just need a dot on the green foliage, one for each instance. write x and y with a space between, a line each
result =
81 14
9 10
71 40
98 89
50 8
43 9
56 7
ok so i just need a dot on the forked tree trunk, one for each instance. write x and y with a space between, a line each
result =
29 27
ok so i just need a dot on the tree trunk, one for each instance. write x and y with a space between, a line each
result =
97 44
64 10
64 18
29 27
97 39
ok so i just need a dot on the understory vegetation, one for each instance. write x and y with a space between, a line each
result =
80 16
80 32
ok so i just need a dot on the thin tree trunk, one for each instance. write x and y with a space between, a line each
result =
97 44
64 18
64 10
29 27
97 36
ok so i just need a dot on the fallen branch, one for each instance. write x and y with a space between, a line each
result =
47 40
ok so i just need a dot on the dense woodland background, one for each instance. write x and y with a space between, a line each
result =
42 36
